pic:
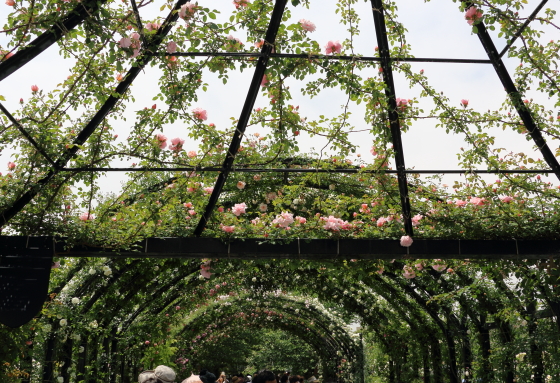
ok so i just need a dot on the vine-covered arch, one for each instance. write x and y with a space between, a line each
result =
252 197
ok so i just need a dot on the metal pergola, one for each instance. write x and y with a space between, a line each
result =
32 256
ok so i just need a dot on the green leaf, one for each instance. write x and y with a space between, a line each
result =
2 98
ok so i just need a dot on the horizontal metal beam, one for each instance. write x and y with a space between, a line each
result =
325 57
300 170
310 249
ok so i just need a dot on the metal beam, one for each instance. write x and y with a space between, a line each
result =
384 53
309 170
313 249
324 57
76 16
92 125
516 100
26 134
254 88
520 31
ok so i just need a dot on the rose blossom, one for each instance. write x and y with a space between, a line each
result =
11 165
176 144
240 3
228 229
408 272
284 220
402 103
171 47
406 241
200 114
191 154
465 103
187 10
162 140
439 267
86 217
506 199
34 88
416 219
307 25
239 208
472 15
333 47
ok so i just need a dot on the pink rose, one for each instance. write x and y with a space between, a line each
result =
228 229
187 10
86 217
10 3
416 219
406 241
439 267
241 185
200 114
477 201
264 80
162 140
284 219
34 88
125 42
176 144
307 25
506 199
402 103
191 154
408 272
11 165
239 208
171 47
333 47
472 15
460 203
263 207
240 3
465 103
381 221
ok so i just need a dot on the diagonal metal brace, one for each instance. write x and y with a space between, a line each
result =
41 43
516 99
101 114
520 31
260 68
26 134
384 53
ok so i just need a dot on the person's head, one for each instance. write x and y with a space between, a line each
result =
284 378
265 376
207 377
162 374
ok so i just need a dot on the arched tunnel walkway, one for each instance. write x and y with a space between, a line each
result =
437 325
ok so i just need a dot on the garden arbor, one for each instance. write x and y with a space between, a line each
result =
249 226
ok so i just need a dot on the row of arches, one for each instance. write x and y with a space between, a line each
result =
108 317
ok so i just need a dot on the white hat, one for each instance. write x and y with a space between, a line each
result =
163 373
192 379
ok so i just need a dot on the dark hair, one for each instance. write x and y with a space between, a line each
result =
207 377
264 376
284 378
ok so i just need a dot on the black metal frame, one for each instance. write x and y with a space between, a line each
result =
82 11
